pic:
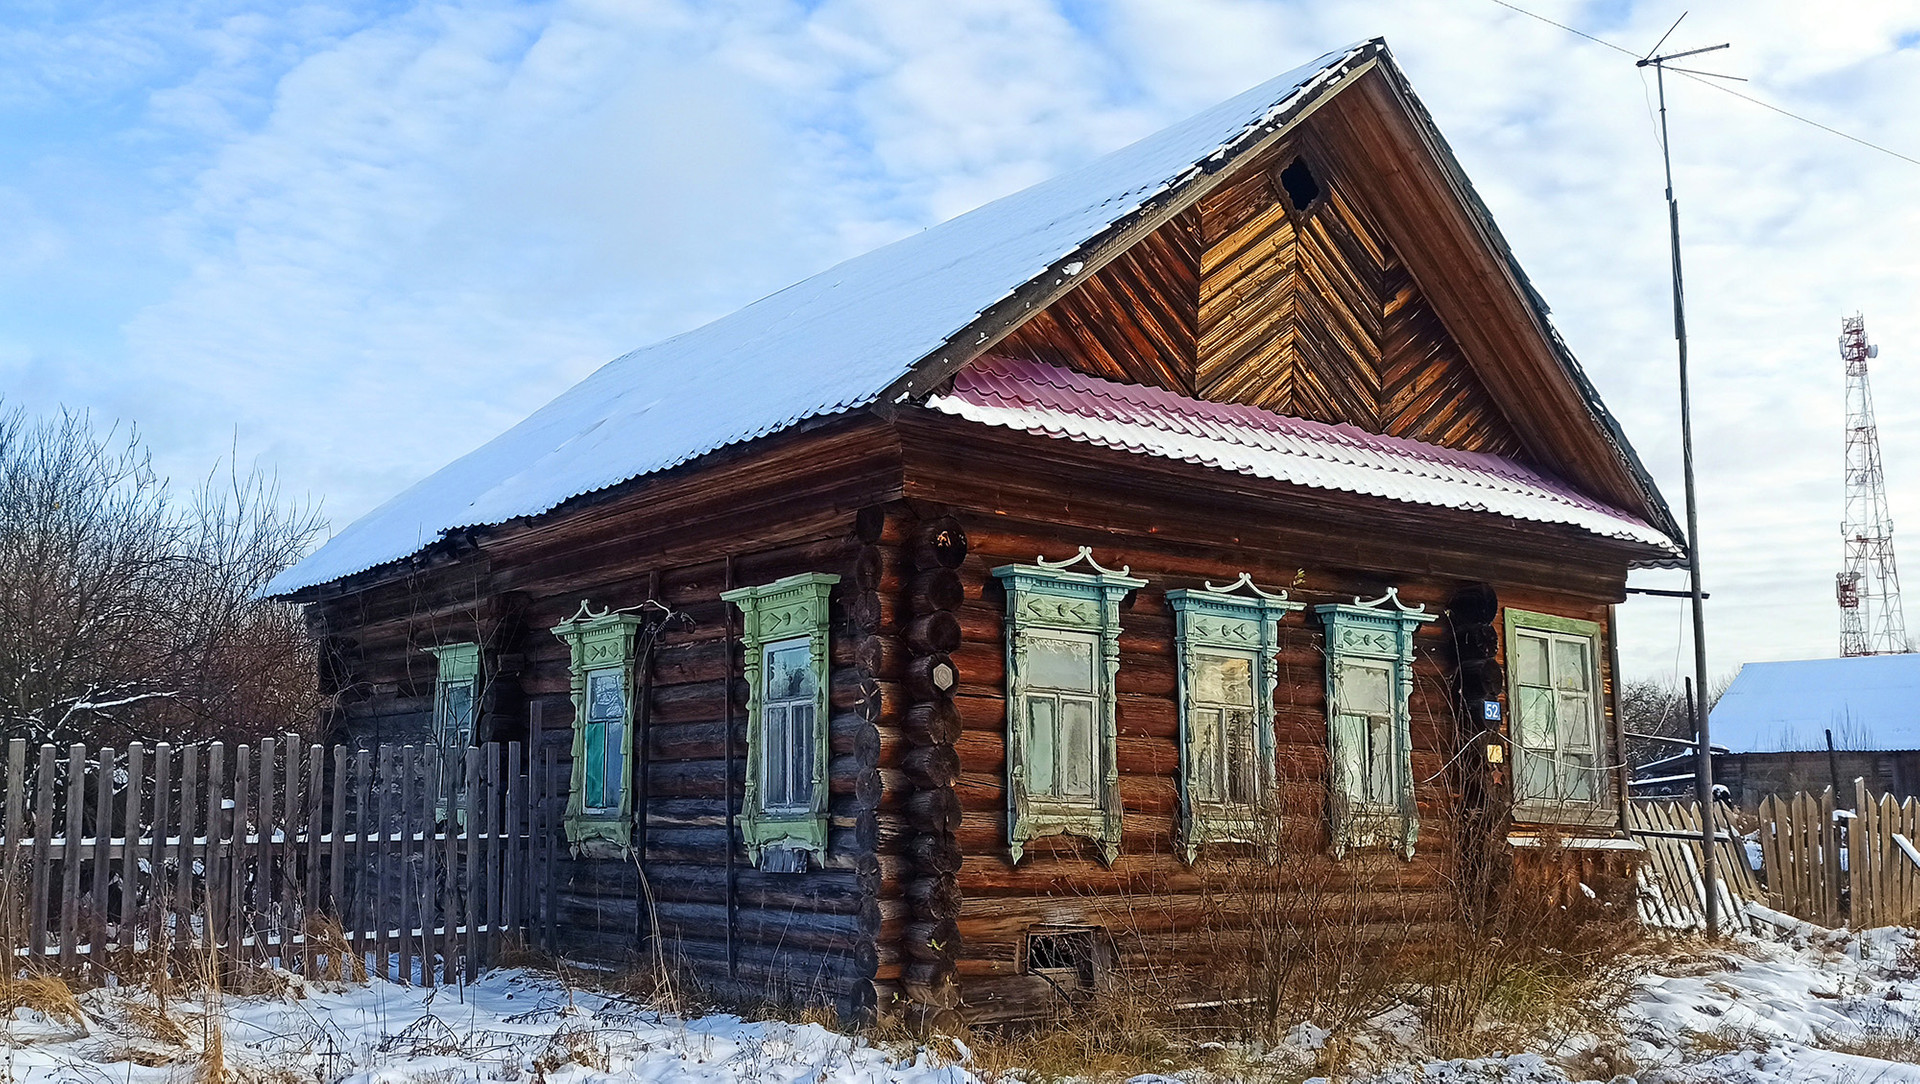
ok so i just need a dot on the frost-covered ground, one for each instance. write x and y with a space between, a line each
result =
1811 1012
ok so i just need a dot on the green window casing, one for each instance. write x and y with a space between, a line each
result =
1063 652
599 816
1227 645
1556 718
1369 740
784 630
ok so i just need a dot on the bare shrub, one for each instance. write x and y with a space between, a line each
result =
128 610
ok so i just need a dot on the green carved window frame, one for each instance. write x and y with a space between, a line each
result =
1371 801
776 620
1553 672
456 708
1071 617
1215 626
599 814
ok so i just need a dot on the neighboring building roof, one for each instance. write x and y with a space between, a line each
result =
1871 703
850 335
1047 401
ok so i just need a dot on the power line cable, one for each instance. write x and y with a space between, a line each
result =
1696 77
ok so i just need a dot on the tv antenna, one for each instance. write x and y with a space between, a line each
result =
1703 780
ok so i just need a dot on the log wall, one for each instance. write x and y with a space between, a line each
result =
793 505
1150 902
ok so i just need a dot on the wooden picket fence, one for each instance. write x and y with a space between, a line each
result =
1883 859
1800 847
1672 886
422 863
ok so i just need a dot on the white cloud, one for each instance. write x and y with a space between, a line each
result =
372 237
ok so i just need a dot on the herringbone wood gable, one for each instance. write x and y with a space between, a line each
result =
1307 312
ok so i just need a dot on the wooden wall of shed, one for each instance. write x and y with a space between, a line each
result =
792 506
1179 526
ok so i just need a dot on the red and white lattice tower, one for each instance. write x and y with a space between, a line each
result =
1871 621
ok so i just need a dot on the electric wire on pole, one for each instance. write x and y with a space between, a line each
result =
1703 779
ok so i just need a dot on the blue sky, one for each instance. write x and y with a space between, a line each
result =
358 239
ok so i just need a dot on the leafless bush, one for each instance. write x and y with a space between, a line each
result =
127 609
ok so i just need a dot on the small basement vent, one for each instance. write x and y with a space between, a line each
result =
1068 955
1300 185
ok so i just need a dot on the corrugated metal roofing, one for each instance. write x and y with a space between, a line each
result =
1871 702
828 344
1053 402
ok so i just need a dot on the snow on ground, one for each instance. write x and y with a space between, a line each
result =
1825 1009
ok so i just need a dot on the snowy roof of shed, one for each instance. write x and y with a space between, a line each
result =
872 327
1041 399
1871 703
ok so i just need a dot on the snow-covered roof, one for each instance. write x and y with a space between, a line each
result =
1052 402
825 345
1871 702
847 336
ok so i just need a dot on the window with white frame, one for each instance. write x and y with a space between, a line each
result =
1557 725
1369 650
787 721
1226 640
1225 769
784 630
1063 654
1366 743
456 692
1059 706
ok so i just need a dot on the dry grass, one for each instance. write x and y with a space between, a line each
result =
46 993
1885 1034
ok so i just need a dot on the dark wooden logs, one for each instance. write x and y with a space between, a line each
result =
934 593
931 677
935 811
936 590
931 766
937 543
933 722
934 633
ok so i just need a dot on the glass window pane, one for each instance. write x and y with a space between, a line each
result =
1536 775
456 723
802 741
774 757
612 776
1577 778
789 671
1350 755
1536 718
1366 688
1381 777
1223 679
595 773
1575 721
1531 667
1571 670
1060 662
605 695
1079 762
1205 724
1040 733
1242 762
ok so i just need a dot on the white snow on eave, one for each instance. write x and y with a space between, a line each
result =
822 346
1344 469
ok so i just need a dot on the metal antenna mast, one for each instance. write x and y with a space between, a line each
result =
1871 621
1709 871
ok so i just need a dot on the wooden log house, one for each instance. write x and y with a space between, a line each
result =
1013 565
